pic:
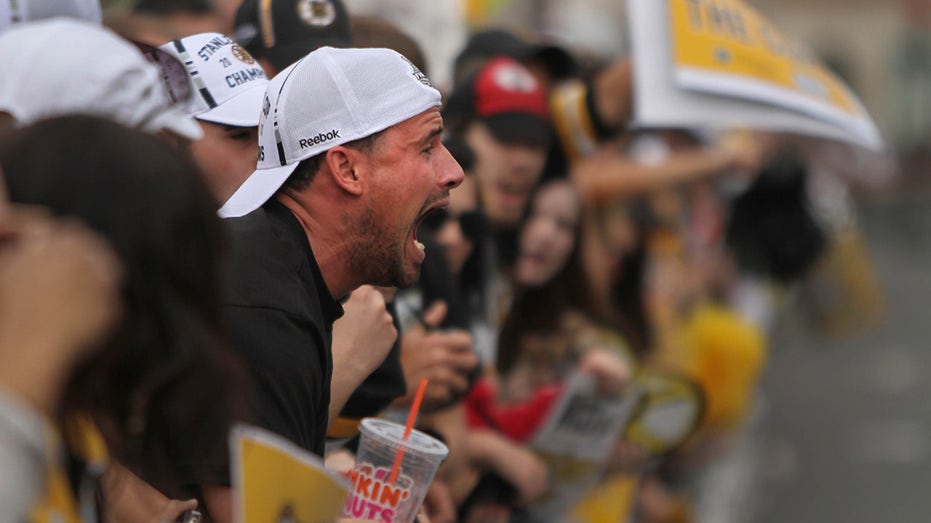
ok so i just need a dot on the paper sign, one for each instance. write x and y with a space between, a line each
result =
576 441
720 64
275 481
726 47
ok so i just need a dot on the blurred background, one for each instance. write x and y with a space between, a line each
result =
882 49
841 429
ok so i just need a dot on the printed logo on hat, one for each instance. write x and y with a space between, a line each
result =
418 74
505 86
318 139
328 98
513 77
229 82
317 13
242 54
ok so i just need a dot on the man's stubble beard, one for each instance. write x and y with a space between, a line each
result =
376 254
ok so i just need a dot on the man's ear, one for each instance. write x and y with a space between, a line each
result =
344 164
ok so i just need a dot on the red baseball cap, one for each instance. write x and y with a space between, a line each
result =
506 97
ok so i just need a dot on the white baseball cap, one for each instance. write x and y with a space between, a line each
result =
67 66
328 98
18 11
228 84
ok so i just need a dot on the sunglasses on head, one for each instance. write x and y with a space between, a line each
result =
473 223
175 76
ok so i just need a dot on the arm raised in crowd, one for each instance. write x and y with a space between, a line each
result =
613 93
611 175
512 461
361 340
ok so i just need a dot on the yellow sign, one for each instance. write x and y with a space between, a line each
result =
275 481
729 39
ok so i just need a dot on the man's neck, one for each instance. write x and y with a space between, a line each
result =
328 243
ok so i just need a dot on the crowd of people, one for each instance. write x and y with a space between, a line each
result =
278 219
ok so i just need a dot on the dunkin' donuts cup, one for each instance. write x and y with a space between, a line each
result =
372 496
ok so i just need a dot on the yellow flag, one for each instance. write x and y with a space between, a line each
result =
275 481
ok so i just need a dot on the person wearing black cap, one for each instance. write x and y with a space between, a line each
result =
280 32
556 62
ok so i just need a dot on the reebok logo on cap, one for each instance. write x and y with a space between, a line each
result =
320 138
354 93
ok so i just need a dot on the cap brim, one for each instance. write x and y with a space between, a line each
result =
175 120
256 190
519 128
242 110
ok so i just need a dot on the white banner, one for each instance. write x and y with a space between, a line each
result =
720 64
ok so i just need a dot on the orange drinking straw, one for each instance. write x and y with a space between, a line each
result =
411 418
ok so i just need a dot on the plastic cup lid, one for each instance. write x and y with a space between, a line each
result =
393 433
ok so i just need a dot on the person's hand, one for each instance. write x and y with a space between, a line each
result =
526 471
132 500
445 358
609 371
744 150
365 333
613 92
341 461
59 294
171 511
438 503
362 338
517 464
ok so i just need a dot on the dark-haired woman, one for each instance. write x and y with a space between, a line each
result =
164 367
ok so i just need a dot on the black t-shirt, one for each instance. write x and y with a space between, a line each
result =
281 316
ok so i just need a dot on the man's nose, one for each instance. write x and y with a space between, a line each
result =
451 174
